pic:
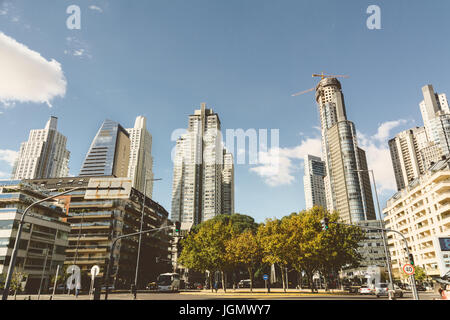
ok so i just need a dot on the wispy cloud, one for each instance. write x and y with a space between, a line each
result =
77 48
95 8
26 76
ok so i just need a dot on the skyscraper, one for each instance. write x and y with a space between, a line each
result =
347 183
203 174
109 154
227 183
313 182
415 150
44 155
141 160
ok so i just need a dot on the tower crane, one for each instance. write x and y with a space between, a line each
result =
323 76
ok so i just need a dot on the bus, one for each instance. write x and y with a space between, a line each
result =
168 282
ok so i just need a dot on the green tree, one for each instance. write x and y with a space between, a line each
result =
244 249
204 249
273 239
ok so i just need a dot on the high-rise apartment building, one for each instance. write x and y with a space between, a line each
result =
227 183
313 182
347 183
421 212
415 150
203 174
44 155
109 154
140 168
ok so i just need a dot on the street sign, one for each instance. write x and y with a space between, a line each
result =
95 270
108 188
408 269
266 277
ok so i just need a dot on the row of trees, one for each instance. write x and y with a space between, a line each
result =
296 241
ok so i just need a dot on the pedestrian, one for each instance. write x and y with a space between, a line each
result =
216 286
134 290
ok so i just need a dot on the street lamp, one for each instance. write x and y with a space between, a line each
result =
140 230
386 251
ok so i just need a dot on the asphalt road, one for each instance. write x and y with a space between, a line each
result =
230 295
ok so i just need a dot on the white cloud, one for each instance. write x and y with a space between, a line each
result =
8 156
95 8
26 76
378 154
5 175
278 165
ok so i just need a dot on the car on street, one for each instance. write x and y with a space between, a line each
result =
366 290
244 283
382 290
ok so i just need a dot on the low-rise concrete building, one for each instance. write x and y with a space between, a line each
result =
94 223
44 238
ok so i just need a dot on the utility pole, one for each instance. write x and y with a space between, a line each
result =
140 229
43 271
113 244
386 251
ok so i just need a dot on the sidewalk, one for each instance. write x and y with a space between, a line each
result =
247 291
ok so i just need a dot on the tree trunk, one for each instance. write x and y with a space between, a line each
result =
210 281
250 273
283 279
224 285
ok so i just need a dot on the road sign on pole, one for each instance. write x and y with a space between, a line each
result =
108 188
266 277
408 269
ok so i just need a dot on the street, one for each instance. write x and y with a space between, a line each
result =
207 295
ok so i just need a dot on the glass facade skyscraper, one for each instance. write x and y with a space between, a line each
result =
347 183
109 152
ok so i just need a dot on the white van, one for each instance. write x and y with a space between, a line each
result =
168 282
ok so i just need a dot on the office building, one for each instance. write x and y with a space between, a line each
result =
109 154
140 168
44 238
44 155
421 212
347 183
313 182
202 172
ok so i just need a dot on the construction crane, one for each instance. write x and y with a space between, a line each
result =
323 76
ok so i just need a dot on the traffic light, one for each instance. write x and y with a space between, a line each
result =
324 223
411 259
177 227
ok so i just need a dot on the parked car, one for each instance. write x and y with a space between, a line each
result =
366 290
244 283
382 290
152 286
59 288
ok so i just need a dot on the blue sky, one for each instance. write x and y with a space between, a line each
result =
244 58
